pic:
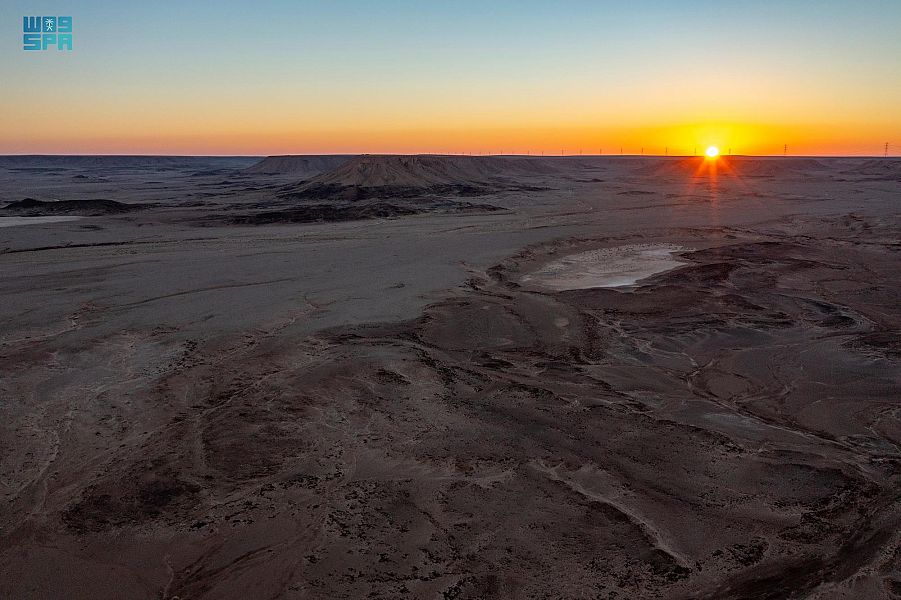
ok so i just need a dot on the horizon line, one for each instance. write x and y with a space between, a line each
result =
463 154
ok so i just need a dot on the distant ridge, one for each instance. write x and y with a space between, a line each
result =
425 170
383 176
304 166
102 161
742 166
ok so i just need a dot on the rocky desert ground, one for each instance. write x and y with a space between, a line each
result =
450 377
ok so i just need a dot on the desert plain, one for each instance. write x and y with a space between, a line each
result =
450 377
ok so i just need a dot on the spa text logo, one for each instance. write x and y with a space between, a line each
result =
42 33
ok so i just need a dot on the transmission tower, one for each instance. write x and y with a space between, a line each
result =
885 154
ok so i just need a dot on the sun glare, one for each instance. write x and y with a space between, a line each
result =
713 152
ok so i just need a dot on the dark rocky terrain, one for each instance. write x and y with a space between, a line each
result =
233 393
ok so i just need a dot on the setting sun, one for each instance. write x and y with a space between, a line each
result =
713 152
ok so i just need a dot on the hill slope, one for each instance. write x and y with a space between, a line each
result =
302 166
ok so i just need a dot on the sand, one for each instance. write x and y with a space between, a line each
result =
201 401
18 221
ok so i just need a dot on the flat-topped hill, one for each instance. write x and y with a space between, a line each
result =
303 166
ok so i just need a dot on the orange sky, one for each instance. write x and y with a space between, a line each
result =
529 77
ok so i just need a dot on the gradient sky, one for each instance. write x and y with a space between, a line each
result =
278 77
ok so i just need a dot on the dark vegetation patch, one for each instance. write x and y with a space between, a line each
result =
323 212
315 213
354 193
29 207
635 193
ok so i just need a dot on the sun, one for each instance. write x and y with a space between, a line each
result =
713 152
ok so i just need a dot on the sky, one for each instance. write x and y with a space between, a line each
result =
455 76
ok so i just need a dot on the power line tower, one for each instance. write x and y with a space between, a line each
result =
666 152
785 150
885 154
